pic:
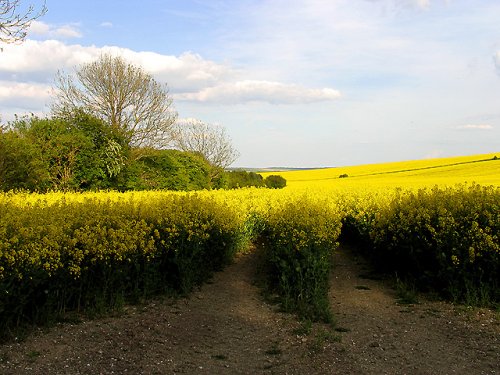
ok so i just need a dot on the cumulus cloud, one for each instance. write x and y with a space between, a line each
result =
190 77
260 91
475 127
51 31
43 58
24 95
34 59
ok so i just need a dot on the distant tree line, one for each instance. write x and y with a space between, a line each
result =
240 179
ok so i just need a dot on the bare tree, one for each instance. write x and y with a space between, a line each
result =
209 140
123 95
15 23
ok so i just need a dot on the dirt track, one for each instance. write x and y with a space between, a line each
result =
227 328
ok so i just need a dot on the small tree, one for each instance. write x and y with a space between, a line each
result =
123 95
79 152
14 23
275 182
209 140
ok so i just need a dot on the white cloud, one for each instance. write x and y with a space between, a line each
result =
260 91
475 127
23 95
51 31
107 24
189 76
496 60
186 72
44 58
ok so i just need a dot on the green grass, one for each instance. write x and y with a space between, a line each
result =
406 292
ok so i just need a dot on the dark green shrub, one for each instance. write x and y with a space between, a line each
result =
275 182
21 165
79 151
167 170
241 179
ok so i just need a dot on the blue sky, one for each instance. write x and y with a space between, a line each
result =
298 83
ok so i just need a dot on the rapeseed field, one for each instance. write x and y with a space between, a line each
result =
436 222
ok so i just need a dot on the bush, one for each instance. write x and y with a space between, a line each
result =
241 179
275 182
79 152
167 170
21 165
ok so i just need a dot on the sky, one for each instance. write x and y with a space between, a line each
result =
296 83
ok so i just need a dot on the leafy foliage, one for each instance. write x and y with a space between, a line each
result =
240 179
168 170
80 152
21 165
275 182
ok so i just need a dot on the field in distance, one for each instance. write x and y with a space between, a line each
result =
483 169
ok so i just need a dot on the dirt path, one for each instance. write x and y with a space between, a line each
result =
425 338
227 328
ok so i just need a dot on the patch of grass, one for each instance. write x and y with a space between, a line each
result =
304 329
477 295
322 337
406 292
